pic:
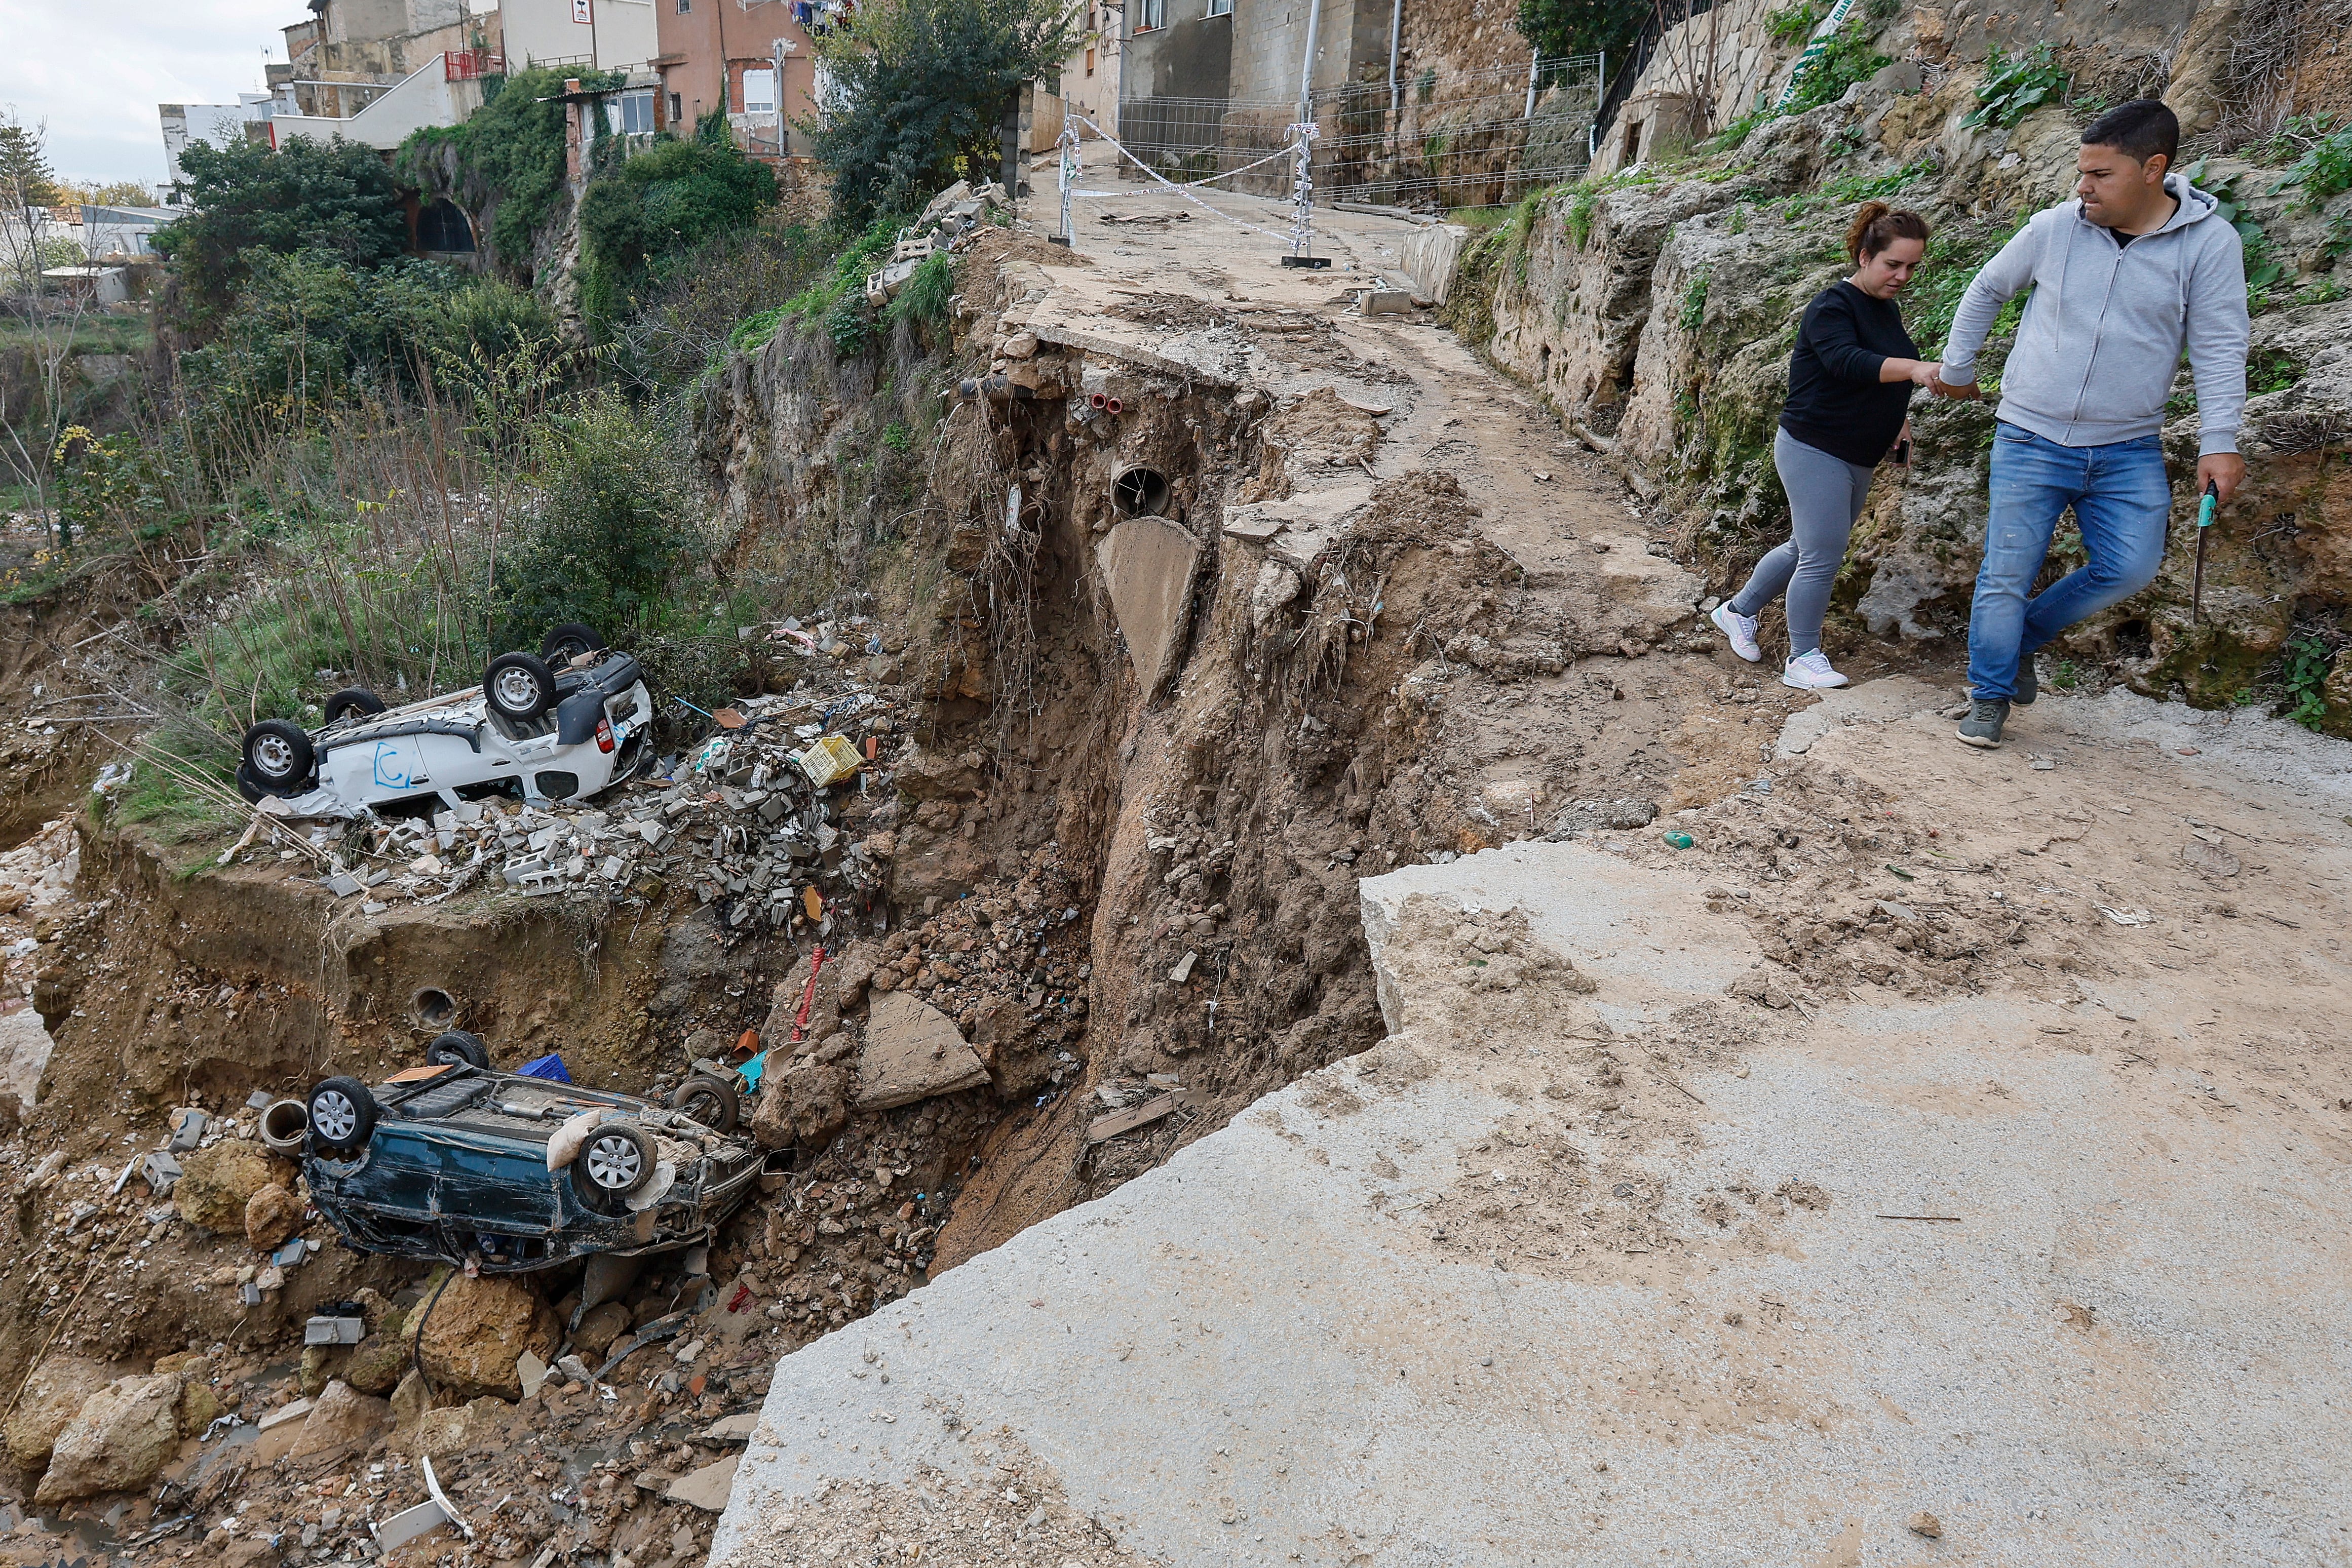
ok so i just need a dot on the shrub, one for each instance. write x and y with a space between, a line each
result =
1845 58
2324 169
618 523
655 205
2012 88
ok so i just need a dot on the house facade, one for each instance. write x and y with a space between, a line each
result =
723 56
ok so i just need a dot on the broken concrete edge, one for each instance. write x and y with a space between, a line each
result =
1148 564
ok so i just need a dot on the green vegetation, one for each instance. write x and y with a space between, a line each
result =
1954 257
1791 25
1693 311
919 93
2325 169
1559 27
654 206
2302 677
1579 220
2013 88
335 198
1847 60
26 180
2272 370
509 155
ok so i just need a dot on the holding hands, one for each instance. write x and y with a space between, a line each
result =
1965 392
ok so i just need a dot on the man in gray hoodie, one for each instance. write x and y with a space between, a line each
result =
2139 266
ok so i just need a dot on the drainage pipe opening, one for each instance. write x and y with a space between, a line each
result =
1139 492
433 1007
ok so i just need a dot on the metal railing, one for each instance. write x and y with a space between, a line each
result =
472 65
1664 17
1470 140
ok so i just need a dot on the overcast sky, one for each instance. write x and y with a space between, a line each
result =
97 68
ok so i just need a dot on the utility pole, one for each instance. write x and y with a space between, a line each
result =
1302 234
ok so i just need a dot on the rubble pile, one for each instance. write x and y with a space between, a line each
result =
781 819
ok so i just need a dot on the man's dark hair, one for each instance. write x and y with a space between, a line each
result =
2139 130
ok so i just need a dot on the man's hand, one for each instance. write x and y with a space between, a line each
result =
2225 471
1965 392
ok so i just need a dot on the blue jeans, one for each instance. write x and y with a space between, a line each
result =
2122 500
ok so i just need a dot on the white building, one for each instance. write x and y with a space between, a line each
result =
607 34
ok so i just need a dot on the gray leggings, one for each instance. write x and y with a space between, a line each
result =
1825 496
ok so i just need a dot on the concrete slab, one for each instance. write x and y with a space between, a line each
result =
1591 1263
1148 565
912 1052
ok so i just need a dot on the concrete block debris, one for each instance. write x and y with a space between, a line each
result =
409 1524
160 1171
913 1051
324 1329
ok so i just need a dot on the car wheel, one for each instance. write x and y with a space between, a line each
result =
279 755
708 1100
343 1116
568 642
457 1048
613 1161
354 701
519 686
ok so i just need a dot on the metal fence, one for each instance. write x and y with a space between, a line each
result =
1472 139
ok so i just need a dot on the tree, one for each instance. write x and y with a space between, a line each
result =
334 197
24 177
918 94
1558 27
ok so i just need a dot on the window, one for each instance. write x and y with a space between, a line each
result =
1221 7
637 111
676 111
685 7
1091 59
759 90
1150 13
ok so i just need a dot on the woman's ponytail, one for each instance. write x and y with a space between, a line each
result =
1878 225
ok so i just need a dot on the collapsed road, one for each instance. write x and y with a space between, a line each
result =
1272 1090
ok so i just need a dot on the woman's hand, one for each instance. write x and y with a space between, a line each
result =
1926 373
1901 451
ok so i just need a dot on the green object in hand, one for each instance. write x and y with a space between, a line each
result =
2205 508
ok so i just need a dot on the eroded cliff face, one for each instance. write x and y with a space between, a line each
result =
1656 310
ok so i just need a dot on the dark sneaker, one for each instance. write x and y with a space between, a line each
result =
2028 687
1982 726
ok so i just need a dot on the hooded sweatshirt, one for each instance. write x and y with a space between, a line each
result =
2102 336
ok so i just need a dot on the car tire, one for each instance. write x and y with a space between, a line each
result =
615 1160
457 1048
342 1116
278 756
352 700
519 687
564 642
710 1101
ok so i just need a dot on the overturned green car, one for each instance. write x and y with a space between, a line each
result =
507 1173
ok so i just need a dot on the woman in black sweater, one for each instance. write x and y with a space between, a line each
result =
1849 385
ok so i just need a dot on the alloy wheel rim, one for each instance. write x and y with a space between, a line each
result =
334 1115
614 1163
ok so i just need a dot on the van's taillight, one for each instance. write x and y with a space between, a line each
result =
604 735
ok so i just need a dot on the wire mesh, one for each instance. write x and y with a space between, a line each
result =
1474 139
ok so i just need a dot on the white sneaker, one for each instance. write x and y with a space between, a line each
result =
1810 672
1740 629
